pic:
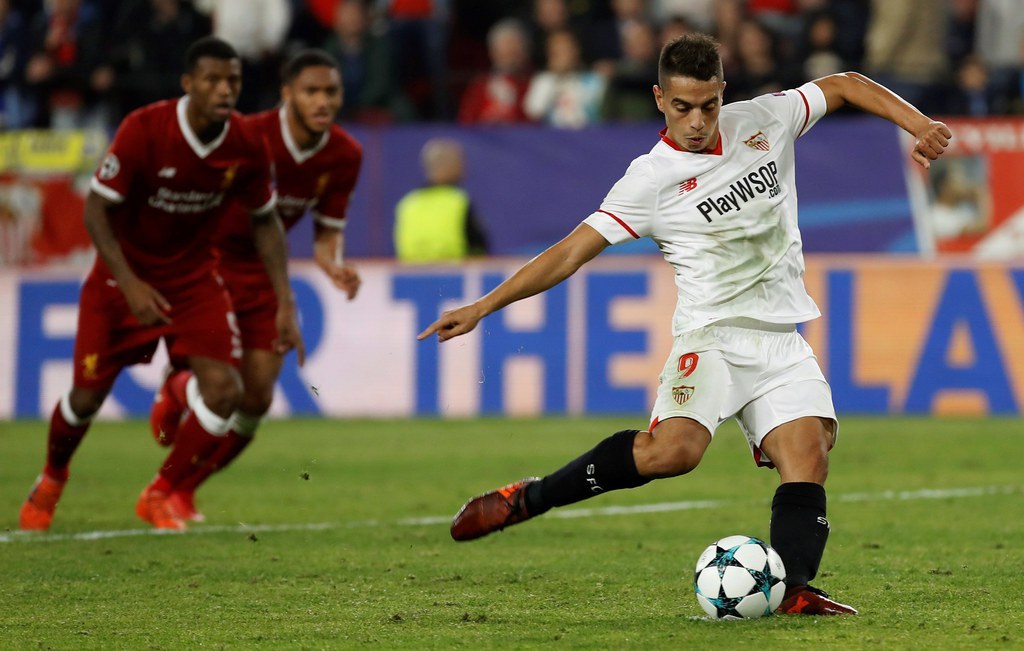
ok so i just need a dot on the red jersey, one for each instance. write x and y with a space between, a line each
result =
319 180
172 191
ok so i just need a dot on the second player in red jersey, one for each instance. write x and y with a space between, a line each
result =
155 203
316 165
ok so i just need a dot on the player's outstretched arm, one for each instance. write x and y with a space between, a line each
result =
268 235
857 90
145 302
328 248
540 274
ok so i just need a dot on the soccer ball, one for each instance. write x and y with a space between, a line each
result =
739 577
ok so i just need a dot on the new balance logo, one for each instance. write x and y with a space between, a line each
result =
686 186
167 172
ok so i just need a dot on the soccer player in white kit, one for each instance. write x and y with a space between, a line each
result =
717 194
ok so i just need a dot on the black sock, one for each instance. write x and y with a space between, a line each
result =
799 529
609 466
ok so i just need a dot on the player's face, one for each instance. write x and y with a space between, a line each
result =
315 97
213 87
691 109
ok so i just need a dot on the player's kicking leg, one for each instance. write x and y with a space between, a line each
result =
68 424
260 369
627 459
212 395
799 528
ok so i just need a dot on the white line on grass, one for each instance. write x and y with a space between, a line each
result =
661 507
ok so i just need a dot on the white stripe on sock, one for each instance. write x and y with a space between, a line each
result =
210 421
70 417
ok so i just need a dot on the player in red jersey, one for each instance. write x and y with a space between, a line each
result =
155 202
316 164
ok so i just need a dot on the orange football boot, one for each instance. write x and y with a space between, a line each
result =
492 511
185 505
37 511
155 507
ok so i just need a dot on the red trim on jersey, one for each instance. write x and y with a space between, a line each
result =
622 224
717 151
668 141
807 112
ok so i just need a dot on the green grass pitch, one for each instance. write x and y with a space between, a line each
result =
333 535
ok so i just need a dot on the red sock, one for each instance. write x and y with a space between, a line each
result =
176 382
62 441
226 452
193 446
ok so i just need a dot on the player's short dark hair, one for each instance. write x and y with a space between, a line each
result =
208 46
306 59
692 55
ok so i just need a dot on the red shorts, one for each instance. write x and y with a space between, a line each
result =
110 337
255 304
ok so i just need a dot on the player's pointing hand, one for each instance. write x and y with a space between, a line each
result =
453 323
931 142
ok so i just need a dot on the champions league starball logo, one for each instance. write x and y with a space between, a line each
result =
109 168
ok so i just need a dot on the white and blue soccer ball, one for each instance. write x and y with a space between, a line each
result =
739 577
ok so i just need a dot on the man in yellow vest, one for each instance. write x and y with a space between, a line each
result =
436 223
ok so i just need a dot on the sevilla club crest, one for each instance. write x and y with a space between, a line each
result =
757 141
682 393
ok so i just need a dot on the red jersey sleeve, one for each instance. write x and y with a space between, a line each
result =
125 159
331 208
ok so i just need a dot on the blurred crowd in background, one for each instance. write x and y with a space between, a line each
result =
567 63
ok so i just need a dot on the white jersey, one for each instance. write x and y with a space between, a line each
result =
725 220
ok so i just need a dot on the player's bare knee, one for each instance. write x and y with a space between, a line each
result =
803 459
223 398
256 401
669 455
86 402
221 391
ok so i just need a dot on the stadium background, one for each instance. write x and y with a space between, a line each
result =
922 295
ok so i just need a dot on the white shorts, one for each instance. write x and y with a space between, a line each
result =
762 373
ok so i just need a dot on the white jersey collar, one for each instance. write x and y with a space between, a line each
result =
300 156
202 150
